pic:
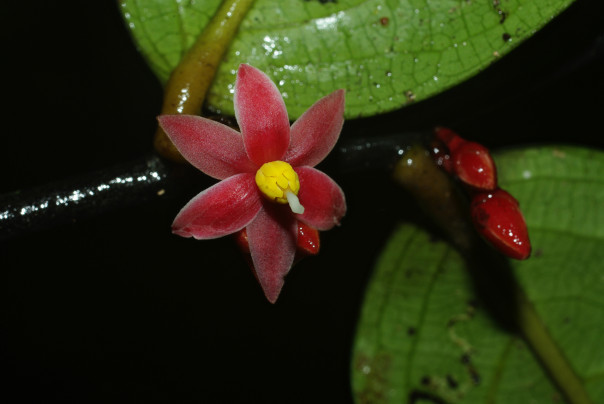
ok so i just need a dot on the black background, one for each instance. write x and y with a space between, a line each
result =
116 309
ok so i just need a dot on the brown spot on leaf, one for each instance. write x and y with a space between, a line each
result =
423 397
375 370
451 382
558 153
502 14
474 375
410 96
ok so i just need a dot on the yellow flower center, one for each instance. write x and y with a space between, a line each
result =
279 183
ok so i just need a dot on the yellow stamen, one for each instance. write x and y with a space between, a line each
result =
279 182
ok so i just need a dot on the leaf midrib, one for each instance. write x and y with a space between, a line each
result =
422 315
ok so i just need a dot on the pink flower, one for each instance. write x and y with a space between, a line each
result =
267 180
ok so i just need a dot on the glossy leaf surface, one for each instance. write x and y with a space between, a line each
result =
425 332
386 54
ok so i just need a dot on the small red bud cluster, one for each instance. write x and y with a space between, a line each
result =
495 213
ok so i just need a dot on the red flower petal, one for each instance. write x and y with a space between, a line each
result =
323 200
212 147
308 243
316 132
272 240
261 114
498 219
221 209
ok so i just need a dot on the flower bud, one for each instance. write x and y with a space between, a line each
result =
497 217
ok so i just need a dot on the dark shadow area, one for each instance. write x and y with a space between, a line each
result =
114 308
494 284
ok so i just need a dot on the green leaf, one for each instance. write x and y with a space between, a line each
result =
384 53
424 332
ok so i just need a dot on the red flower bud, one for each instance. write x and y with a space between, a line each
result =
451 139
471 162
474 166
308 240
242 241
497 217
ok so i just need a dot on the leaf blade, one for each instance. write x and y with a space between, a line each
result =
456 344
563 281
385 54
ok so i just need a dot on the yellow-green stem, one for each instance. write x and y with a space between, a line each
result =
536 335
189 82
436 194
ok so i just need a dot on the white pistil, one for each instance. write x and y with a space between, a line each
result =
294 202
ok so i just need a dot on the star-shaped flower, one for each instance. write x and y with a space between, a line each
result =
268 182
